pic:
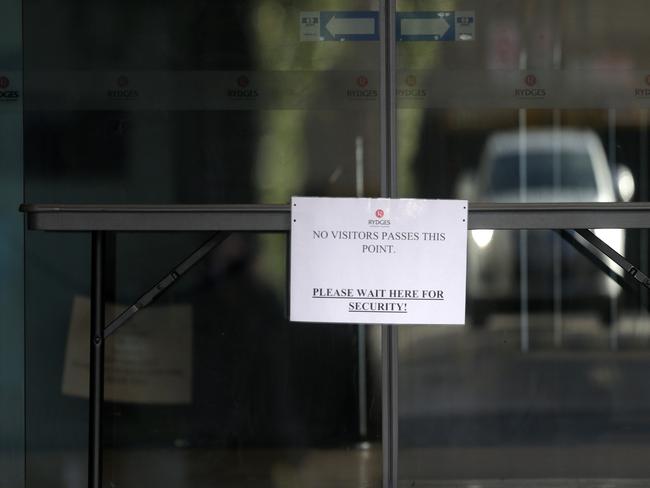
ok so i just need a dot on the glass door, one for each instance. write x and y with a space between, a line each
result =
176 102
12 361
527 102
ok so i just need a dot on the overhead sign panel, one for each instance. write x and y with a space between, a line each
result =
363 25
381 261
436 26
350 25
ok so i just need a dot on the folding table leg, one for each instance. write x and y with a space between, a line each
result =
96 359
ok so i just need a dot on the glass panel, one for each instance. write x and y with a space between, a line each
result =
198 103
12 433
540 101
543 387
177 102
211 384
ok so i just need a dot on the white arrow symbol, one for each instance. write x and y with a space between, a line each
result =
348 27
424 27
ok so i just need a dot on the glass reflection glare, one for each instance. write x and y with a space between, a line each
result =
482 237
625 182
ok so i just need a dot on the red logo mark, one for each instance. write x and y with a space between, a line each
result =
243 81
379 213
530 80
362 81
122 81
411 80
4 82
647 80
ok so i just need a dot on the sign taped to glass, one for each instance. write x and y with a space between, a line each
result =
381 261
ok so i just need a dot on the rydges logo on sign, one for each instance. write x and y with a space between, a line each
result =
122 90
379 220
7 94
362 91
243 90
531 90
412 89
643 92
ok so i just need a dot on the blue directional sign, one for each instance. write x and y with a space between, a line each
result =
353 25
426 26
363 25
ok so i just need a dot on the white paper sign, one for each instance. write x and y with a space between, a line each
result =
380 261
149 361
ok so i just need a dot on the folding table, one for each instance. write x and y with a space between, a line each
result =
102 220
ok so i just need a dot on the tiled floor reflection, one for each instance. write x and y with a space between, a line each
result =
202 468
527 483
583 466
359 468
573 409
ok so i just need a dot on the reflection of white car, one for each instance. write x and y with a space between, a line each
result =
556 166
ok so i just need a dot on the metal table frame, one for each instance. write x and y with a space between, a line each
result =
103 220
276 218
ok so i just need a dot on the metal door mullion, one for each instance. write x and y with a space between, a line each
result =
96 389
389 350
